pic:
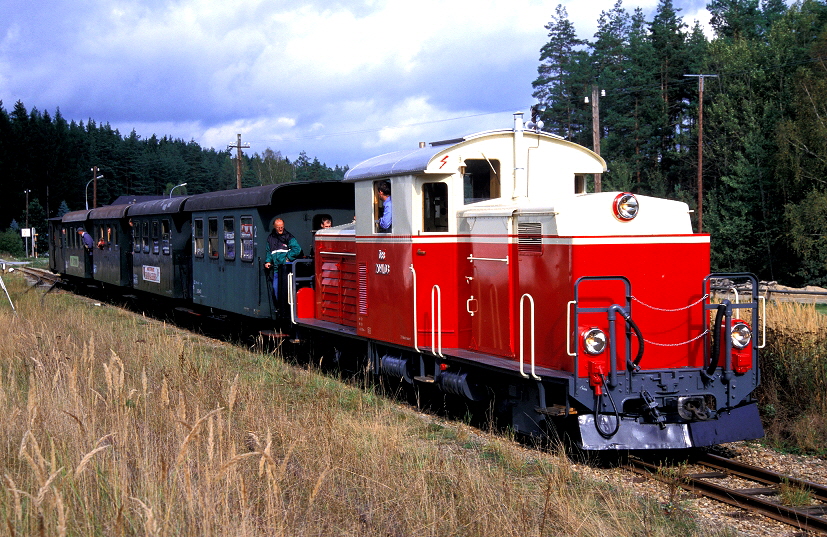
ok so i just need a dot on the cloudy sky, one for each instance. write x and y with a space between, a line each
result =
343 80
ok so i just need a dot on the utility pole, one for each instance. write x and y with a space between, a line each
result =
701 148
239 146
598 183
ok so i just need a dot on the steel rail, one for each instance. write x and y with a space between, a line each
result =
743 498
40 274
761 475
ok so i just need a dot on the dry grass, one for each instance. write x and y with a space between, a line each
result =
793 394
114 424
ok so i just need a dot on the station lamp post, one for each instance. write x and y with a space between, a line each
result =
87 188
176 186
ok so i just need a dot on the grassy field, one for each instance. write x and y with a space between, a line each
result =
116 424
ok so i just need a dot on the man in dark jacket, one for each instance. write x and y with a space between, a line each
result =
283 248
86 238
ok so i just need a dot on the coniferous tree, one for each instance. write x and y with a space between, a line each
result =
561 83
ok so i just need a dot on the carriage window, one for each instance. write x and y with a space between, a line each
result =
135 230
156 240
481 180
198 231
145 236
165 227
212 229
435 207
247 238
229 238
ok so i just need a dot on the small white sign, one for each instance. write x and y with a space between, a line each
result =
152 274
26 232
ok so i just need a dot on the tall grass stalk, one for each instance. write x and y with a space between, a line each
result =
116 424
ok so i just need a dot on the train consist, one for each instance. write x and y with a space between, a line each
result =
489 274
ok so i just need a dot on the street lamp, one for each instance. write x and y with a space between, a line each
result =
176 186
87 189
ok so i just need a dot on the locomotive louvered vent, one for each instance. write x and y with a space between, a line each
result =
363 289
530 237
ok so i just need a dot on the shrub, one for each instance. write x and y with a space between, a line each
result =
11 243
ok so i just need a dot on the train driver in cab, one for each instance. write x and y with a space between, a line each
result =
283 248
384 223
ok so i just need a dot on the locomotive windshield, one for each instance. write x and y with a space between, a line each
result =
481 180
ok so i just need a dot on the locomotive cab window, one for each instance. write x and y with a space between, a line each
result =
247 238
579 184
212 229
434 207
382 208
198 235
480 180
229 238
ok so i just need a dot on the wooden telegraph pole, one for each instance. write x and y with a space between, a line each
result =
94 187
239 146
598 182
701 149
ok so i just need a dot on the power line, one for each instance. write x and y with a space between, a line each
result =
379 129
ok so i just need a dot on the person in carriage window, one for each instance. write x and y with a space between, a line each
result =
86 238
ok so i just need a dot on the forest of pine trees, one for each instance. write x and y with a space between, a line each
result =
53 158
764 121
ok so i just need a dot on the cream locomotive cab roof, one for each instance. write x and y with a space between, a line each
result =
538 177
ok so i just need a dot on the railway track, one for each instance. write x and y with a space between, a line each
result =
41 277
715 481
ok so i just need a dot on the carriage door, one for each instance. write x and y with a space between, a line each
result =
490 302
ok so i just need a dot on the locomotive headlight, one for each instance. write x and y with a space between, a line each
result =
625 206
741 335
594 341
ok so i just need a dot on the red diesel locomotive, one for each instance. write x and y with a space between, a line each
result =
499 278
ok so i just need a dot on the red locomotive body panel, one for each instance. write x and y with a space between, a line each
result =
440 322
386 311
664 274
337 281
